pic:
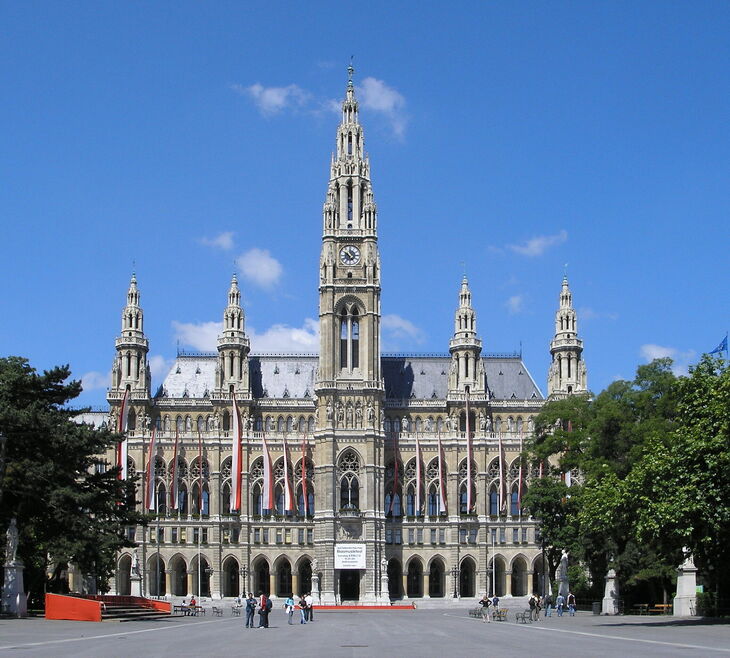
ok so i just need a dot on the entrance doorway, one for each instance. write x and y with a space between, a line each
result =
349 584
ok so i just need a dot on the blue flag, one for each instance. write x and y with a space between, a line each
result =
722 347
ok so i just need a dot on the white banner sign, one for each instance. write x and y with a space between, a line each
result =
350 556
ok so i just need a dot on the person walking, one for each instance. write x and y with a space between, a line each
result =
250 610
303 609
310 610
559 603
548 600
485 603
533 607
289 607
571 604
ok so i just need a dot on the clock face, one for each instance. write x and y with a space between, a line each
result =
350 255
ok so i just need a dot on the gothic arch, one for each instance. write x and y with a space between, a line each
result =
414 577
467 577
229 576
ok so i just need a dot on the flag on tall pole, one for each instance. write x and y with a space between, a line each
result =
289 503
395 474
122 446
468 456
442 479
236 439
519 482
722 347
174 475
268 493
150 492
200 466
419 479
502 489
304 474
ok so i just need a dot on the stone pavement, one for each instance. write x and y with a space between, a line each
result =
421 633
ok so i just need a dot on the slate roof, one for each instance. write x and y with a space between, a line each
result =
293 376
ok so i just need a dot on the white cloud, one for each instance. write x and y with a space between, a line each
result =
377 96
159 366
259 267
201 336
222 241
682 360
398 327
539 244
272 100
515 304
282 339
94 380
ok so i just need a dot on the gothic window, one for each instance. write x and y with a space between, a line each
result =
463 483
289 424
386 425
226 498
493 470
201 424
433 500
258 424
182 499
280 424
257 499
343 338
349 144
279 498
514 506
493 501
349 203
355 339
311 424
348 467
514 469
195 470
161 498
411 500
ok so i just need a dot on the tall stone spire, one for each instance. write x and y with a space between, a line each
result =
233 347
567 373
130 369
465 347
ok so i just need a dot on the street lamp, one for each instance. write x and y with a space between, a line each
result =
455 575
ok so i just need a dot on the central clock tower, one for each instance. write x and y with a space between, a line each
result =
349 290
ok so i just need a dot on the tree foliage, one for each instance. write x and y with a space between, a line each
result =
69 507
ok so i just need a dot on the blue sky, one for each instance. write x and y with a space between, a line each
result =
193 140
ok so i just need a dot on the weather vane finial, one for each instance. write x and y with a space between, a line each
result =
350 71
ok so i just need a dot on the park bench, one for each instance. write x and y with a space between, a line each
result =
217 612
661 609
525 616
500 614
236 610
640 609
475 612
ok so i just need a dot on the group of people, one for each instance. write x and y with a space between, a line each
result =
561 602
488 604
262 603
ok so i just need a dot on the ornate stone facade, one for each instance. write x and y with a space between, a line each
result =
363 434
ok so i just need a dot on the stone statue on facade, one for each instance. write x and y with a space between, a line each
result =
482 421
405 424
329 410
11 542
562 574
358 416
371 413
489 423
429 424
448 423
135 562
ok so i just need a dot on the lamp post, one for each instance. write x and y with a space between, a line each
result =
455 575
244 572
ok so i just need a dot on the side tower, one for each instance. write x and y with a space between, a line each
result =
349 386
131 371
232 373
567 374
467 369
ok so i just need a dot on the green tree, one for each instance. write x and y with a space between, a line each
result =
682 481
69 507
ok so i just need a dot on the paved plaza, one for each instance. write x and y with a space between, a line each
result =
420 633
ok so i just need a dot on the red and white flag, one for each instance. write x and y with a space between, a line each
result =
268 493
469 502
150 493
519 483
236 439
202 474
122 445
502 483
419 479
442 478
304 475
395 475
174 475
289 502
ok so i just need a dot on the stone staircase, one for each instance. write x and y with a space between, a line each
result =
128 611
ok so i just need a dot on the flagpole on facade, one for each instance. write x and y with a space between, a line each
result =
157 510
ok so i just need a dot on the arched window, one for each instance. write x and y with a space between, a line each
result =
289 424
280 425
493 502
514 505
464 481
355 333
279 499
348 468
343 338
161 498
182 499
411 500
201 424
433 500
226 498
311 424
257 500
349 338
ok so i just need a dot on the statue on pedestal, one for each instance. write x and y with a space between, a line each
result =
11 543
562 574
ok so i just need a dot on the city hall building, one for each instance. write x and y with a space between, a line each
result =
363 476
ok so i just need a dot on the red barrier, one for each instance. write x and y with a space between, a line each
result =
59 606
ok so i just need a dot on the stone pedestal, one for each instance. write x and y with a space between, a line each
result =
685 603
610 594
14 601
135 584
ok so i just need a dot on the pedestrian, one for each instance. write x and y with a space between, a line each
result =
559 603
548 601
571 604
303 609
310 609
289 607
485 603
495 604
250 610
533 607
264 603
